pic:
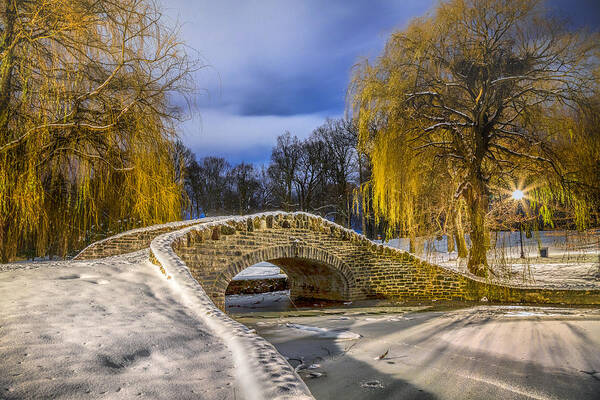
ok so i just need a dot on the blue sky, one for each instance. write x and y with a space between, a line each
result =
277 65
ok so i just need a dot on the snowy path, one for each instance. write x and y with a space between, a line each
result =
108 328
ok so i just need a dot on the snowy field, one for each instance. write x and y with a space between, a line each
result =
107 328
567 243
115 328
573 260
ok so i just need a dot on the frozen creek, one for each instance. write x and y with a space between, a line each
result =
369 351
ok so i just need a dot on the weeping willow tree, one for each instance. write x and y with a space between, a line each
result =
466 87
414 198
583 154
85 123
577 198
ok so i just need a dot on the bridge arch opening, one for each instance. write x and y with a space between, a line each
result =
312 274
258 278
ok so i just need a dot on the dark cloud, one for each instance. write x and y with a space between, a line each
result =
301 94
579 12
277 65
286 57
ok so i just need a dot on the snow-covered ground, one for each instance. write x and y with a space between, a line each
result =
273 301
573 262
540 272
116 328
569 243
323 333
262 270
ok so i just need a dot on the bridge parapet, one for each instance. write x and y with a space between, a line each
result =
134 239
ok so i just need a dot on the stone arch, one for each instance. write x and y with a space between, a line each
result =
312 272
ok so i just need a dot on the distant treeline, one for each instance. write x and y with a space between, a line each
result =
321 174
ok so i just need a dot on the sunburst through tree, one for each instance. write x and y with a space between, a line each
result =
475 95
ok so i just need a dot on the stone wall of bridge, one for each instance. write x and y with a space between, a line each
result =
132 240
323 260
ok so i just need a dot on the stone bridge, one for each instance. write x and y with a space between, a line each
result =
321 259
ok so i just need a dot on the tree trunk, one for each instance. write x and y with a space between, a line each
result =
459 235
450 242
4 248
461 243
349 209
418 245
288 195
363 222
477 207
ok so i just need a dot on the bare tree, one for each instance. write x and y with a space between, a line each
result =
214 178
264 192
340 139
194 188
284 163
245 187
182 159
311 171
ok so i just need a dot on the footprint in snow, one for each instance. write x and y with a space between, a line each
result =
68 277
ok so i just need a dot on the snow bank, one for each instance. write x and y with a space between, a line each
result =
262 270
261 371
